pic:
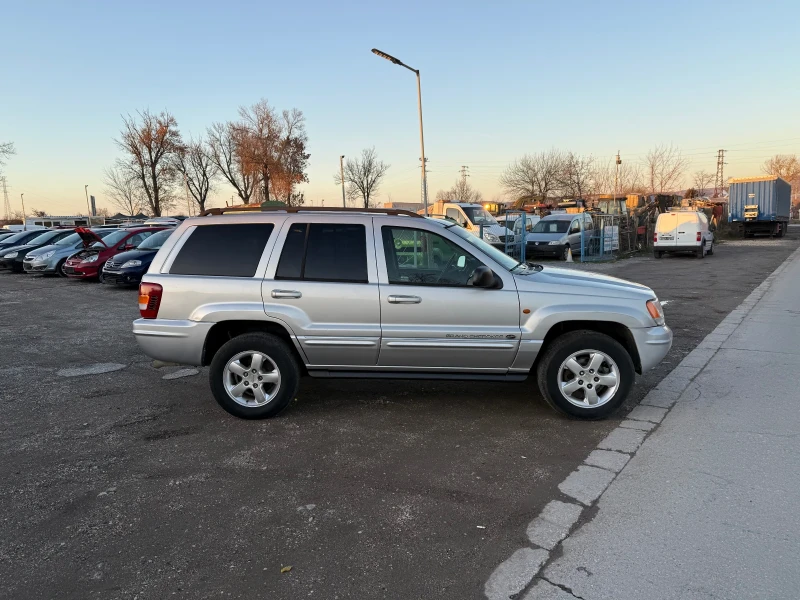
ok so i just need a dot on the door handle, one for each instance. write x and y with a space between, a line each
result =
395 299
286 294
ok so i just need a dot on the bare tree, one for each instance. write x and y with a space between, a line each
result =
533 175
576 175
6 150
785 166
363 177
38 213
290 158
628 179
151 144
702 180
461 191
226 149
665 168
198 170
124 189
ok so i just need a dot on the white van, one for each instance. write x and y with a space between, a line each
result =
683 231
474 218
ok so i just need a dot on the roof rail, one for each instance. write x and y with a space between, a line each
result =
213 212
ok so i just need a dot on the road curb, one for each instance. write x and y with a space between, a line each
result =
584 486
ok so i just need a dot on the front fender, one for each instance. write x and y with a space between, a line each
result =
541 320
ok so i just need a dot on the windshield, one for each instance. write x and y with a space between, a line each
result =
551 226
478 216
113 238
155 241
21 237
505 260
4 236
42 239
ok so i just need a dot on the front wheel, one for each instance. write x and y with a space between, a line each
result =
565 253
254 376
60 268
585 374
101 277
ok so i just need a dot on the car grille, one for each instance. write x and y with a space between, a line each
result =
502 238
110 264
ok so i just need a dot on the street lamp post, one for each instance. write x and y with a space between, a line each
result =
341 176
88 208
24 217
396 61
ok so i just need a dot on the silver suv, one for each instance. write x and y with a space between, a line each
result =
265 297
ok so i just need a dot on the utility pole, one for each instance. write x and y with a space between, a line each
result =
616 176
24 217
6 203
188 203
88 208
341 176
719 178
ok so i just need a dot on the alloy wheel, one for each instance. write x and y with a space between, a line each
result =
251 378
588 378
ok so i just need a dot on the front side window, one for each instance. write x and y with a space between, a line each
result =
418 257
224 250
335 252
455 215
575 227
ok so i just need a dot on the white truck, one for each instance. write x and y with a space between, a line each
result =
474 218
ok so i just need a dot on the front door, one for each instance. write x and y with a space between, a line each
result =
432 318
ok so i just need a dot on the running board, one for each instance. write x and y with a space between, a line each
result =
323 373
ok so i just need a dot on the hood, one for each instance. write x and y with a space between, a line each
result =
54 247
142 255
544 237
582 282
88 236
497 229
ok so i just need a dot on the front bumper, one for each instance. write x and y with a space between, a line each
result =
120 277
173 341
652 343
31 266
78 271
534 249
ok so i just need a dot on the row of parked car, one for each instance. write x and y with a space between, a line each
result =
113 255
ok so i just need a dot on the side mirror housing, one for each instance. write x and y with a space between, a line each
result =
483 277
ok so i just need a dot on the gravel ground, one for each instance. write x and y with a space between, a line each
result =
119 483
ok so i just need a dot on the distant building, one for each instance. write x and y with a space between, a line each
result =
63 221
412 206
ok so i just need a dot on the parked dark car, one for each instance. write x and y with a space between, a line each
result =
6 234
127 268
11 258
88 264
20 238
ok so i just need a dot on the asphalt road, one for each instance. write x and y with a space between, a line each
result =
127 485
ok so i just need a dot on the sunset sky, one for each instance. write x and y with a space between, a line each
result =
499 80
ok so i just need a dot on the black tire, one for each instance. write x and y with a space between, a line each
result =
711 249
575 341
699 253
60 268
273 347
100 277
565 254
658 254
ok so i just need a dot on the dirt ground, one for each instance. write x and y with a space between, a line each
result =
125 484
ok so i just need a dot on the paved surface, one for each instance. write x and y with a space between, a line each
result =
709 506
119 483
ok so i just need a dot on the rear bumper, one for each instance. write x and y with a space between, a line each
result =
662 248
652 343
170 340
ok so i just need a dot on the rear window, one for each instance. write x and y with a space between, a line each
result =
324 252
229 250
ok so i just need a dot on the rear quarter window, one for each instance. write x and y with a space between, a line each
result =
225 250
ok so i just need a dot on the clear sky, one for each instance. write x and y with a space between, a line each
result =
499 79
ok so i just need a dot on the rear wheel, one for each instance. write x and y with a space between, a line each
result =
700 252
658 254
710 249
585 374
254 376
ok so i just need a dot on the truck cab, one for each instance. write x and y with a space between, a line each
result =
474 218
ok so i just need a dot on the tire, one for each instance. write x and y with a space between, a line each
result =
700 252
565 253
100 277
583 343
60 268
658 254
276 356
711 249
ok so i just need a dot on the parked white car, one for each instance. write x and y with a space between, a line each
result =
474 218
683 231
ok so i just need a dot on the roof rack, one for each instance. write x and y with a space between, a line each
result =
213 212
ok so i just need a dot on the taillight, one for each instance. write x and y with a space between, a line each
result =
698 236
149 299
655 238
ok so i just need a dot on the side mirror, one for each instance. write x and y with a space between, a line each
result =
483 277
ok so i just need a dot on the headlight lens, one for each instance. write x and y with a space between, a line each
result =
655 310
490 237
554 243
131 263
45 256
89 259
11 255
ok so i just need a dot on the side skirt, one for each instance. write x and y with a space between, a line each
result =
323 373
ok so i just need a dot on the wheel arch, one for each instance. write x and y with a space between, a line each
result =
223 331
613 329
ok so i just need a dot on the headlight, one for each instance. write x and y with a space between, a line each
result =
655 310
11 255
45 256
89 259
131 263
555 243
490 237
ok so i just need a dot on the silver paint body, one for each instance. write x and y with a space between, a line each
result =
383 327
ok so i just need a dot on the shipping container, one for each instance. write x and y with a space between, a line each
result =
760 205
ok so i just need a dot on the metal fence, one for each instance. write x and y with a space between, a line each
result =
603 241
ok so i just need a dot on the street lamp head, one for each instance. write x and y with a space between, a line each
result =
388 57
342 156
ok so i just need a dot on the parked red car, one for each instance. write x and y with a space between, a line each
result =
88 263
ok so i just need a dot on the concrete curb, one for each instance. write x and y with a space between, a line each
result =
584 486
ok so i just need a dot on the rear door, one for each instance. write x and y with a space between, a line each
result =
667 230
688 227
432 318
324 285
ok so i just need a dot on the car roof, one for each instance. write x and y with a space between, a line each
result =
561 217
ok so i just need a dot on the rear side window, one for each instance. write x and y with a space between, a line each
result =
229 250
324 252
